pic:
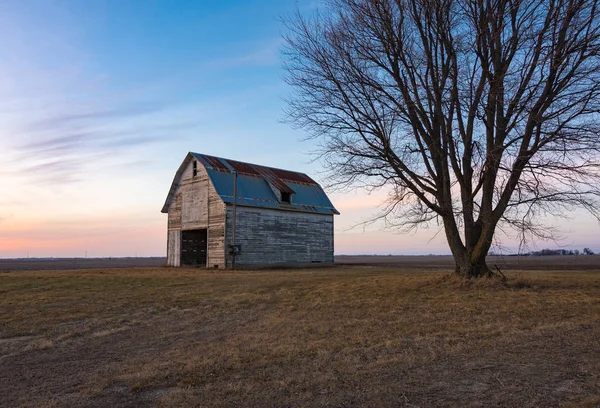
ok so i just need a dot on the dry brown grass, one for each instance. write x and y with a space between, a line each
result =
345 336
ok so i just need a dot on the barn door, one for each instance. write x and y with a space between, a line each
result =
193 247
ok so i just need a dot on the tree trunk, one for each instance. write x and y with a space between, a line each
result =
470 260
472 268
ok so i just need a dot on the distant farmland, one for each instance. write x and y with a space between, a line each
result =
429 262
78 263
444 262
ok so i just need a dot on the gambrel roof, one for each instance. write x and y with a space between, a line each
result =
257 186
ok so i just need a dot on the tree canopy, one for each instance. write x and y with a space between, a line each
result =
480 114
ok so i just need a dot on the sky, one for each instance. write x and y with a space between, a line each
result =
100 101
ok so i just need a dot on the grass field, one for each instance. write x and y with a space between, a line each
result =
341 337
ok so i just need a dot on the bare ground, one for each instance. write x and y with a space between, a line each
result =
343 337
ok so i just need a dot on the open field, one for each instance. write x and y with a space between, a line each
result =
343 337
446 262
428 262
24 264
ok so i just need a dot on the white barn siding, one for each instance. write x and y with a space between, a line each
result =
216 231
174 248
195 199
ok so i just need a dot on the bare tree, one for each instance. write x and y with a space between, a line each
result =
481 114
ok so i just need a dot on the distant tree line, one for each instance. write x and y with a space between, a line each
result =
550 252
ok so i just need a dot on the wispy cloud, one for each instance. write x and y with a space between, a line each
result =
58 121
264 53
57 147
62 119
52 171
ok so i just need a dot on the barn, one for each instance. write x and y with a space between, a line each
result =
224 213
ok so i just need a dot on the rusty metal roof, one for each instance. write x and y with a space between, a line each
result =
257 185
253 185
276 177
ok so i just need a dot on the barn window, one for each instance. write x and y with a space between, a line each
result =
286 197
195 167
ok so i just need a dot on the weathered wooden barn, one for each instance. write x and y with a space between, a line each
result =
224 213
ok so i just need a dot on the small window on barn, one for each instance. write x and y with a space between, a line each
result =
286 197
195 168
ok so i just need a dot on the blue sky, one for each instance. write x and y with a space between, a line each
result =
101 100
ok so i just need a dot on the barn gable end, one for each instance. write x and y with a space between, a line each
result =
193 204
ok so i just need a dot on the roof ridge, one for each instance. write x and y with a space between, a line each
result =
224 160
222 163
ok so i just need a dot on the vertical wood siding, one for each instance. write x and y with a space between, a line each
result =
174 248
195 199
175 213
269 237
216 230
